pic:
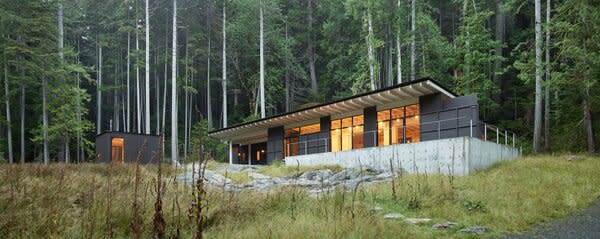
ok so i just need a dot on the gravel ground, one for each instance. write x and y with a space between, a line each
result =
584 224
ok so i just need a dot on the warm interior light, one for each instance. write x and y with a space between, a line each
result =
417 117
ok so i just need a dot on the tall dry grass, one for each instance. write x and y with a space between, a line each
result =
76 201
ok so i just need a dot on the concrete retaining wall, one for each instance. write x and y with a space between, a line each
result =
454 156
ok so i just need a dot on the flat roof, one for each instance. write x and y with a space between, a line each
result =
123 132
406 90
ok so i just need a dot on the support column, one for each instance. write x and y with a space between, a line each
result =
275 144
370 127
230 153
249 154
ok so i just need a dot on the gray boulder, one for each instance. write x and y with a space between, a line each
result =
474 230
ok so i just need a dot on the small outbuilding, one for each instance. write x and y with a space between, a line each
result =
121 147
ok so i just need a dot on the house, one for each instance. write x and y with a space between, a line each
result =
121 147
417 126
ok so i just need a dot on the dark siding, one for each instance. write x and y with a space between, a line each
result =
443 117
103 148
133 146
325 133
370 127
275 144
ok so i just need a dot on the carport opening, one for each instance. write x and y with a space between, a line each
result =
118 150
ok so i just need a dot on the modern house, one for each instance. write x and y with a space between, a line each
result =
120 147
417 126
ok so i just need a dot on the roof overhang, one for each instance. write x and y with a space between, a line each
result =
400 92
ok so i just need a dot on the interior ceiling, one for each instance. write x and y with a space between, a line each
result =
258 129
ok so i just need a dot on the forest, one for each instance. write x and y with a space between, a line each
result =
179 68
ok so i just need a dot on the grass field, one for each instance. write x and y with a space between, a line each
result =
95 201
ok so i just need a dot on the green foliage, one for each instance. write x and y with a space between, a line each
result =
474 56
212 147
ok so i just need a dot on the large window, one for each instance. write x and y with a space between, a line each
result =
292 137
398 125
347 133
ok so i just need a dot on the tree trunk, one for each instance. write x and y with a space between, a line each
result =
370 50
45 118
186 96
157 91
22 106
413 25
500 21
78 111
224 61
208 96
588 124
166 73
311 51
61 38
467 68
147 68
128 83
8 122
262 65
537 130
398 50
174 148
547 136
138 102
99 92
287 71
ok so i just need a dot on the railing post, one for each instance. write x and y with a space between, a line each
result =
497 135
505 137
484 132
404 134
514 140
305 147
471 127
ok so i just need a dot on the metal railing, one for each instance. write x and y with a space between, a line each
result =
484 132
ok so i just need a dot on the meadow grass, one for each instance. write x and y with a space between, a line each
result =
77 201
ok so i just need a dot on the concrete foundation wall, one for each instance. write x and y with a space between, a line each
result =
454 156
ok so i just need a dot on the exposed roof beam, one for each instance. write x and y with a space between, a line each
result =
412 91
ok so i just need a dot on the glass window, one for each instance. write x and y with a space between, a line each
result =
336 140
383 115
398 125
357 138
412 110
397 131
347 122
118 150
347 133
347 138
336 124
310 129
412 129
358 120
383 133
398 113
